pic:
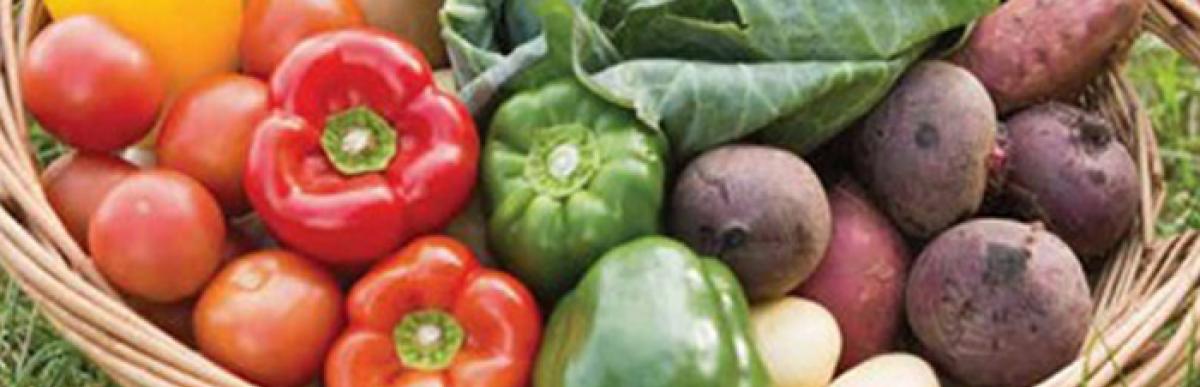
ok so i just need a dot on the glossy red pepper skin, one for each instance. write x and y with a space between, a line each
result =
498 315
348 220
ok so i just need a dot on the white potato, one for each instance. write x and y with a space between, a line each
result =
893 370
799 341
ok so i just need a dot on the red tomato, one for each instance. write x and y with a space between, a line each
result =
176 318
158 235
237 244
207 134
90 85
270 316
272 27
76 183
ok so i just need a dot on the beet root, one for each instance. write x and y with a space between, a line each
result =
999 303
1066 168
761 210
923 153
861 278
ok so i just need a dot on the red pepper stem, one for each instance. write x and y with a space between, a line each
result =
358 141
428 340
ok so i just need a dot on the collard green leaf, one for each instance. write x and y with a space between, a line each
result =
689 39
852 29
704 104
707 72
470 34
477 40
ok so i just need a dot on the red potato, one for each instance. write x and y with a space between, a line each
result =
861 279
999 303
1029 51
924 151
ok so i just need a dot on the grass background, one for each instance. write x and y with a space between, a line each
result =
31 354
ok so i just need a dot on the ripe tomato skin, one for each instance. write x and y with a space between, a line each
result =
272 27
158 235
91 86
189 40
207 133
176 318
76 183
270 316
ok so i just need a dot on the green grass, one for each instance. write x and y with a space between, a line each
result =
32 355
1170 89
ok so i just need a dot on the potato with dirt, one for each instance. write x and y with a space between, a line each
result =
999 303
1066 167
1028 51
861 278
759 209
924 151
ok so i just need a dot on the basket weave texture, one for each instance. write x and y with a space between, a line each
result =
1148 283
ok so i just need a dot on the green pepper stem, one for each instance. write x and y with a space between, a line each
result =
562 160
428 340
358 141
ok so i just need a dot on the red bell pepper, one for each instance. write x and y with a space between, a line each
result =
432 316
362 151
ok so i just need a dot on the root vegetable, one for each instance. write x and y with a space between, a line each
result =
924 151
999 303
798 340
1028 51
893 370
861 278
760 209
1066 168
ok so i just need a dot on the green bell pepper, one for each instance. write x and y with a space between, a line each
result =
567 177
650 313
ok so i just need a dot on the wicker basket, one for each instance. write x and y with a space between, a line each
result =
1147 285
1177 22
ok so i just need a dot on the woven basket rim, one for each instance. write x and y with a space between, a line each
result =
1146 284
1176 22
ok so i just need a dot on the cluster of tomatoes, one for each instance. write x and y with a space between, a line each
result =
333 135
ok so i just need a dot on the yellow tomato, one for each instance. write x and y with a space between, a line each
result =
189 39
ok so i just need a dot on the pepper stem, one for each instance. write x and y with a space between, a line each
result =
358 141
562 160
428 340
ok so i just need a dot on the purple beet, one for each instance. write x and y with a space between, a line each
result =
999 303
1066 168
924 151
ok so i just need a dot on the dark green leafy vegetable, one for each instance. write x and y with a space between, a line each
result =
706 72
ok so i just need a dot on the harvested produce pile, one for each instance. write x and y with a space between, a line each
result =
632 193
